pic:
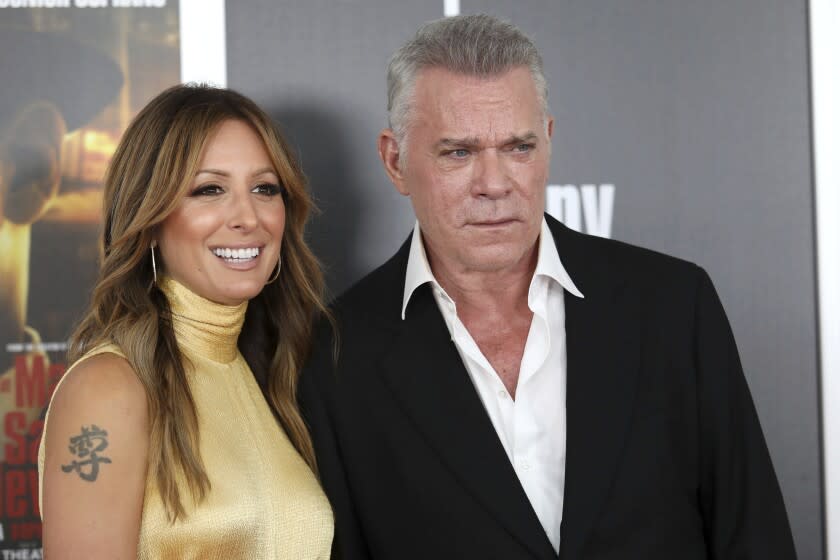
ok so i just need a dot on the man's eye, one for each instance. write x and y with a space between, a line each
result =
207 190
269 189
459 153
524 147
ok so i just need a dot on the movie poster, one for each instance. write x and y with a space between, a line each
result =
72 75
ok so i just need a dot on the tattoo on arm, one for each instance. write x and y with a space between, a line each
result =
87 447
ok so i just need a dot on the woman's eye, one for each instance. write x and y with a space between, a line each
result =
207 190
269 189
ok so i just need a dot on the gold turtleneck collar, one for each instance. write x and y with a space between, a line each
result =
202 327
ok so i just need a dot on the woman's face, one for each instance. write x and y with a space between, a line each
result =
223 240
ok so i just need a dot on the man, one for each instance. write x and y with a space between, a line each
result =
507 388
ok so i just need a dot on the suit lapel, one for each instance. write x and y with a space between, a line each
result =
602 341
425 373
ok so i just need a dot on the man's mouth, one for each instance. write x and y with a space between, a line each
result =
497 222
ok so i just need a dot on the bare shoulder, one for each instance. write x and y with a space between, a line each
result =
96 443
106 377
102 395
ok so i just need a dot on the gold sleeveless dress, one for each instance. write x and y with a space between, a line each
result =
264 501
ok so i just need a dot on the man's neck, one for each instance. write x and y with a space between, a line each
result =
502 291
493 307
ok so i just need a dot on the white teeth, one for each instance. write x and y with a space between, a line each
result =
226 253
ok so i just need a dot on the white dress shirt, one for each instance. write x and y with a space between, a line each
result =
532 428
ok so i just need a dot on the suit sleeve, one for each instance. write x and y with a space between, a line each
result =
741 502
316 396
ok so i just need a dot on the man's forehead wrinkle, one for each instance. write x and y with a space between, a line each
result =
478 123
490 140
466 141
450 108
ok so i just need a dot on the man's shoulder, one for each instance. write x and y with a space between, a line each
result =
377 295
360 319
596 260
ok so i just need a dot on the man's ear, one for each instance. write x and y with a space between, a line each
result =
389 153
549 129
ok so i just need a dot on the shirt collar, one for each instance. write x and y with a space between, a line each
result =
549 264
418 271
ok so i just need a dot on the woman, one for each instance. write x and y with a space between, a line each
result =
159 442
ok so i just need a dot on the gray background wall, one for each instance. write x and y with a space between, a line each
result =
697 113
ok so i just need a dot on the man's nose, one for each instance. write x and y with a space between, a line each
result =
492 176
243 214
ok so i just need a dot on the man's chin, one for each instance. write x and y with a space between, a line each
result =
499 257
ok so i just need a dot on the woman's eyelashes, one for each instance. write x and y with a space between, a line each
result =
207 190
266 189
269 189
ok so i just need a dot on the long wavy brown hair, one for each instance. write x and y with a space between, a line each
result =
152 169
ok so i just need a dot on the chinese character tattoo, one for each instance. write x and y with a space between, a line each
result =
87 446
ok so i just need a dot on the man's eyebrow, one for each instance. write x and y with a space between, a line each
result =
524 138
472 142
458 142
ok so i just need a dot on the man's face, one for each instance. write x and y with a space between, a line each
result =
476 167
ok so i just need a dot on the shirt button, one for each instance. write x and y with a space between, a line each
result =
503 394
525 465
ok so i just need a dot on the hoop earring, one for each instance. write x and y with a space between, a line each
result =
154 265
276 274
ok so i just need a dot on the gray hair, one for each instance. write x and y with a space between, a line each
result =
474 45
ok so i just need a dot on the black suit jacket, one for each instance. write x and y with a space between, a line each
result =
665 457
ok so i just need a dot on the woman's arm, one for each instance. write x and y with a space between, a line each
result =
96 455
